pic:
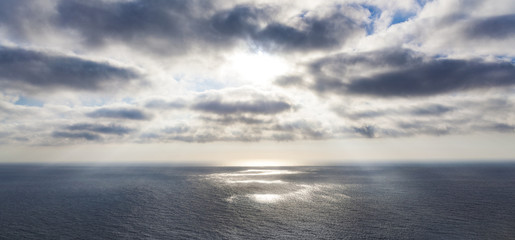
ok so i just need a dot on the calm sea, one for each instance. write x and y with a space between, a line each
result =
467 201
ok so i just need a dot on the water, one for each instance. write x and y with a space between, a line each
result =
353 202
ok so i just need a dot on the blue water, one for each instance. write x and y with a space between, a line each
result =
474 201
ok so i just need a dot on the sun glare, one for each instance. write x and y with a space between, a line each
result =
260 163
257 67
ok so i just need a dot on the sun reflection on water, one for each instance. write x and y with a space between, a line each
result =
266 198
266 186
257 181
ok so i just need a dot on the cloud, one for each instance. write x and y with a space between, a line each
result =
428 127
79 135
177 26
119 113
301 129
404 73
238 119
256 107
436 77
419 110
367 131
497 27
431 110
179 129
135 22
283 137
41 70
450 115
241 101
170 27
502 127
19 17
290 80
333 72
355 69
90 132
316 33
99 128
238 128
240 21
164 104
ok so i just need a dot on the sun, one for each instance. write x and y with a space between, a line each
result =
256 67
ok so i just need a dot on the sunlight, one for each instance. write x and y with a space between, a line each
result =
266 198
257 67
256 181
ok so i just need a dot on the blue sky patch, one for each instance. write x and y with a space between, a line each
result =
401 17
375 13
25 101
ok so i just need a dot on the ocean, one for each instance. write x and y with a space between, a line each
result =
403 201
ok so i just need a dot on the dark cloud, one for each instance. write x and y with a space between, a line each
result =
21 18
501 127
331 74
202 138
37 69
5 134
405 73
284 137
259 106
364 114
223 129
9 15
76 135
367 131
316 33
240 21
463 117
427 128
431 110
227 120
177 129
304 129
423 110
98 128
90 132
133 21
290 80
341 64
435 77
163 104
209 137
121 113
497 27
180 25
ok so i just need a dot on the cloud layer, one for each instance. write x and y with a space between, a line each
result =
153 71
402 73
21 67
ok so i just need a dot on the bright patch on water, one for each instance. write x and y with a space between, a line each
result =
257 181
268 172
266 198
253 172
270 186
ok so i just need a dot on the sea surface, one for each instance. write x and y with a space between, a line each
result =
460 201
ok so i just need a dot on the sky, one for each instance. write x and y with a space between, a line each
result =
257 82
